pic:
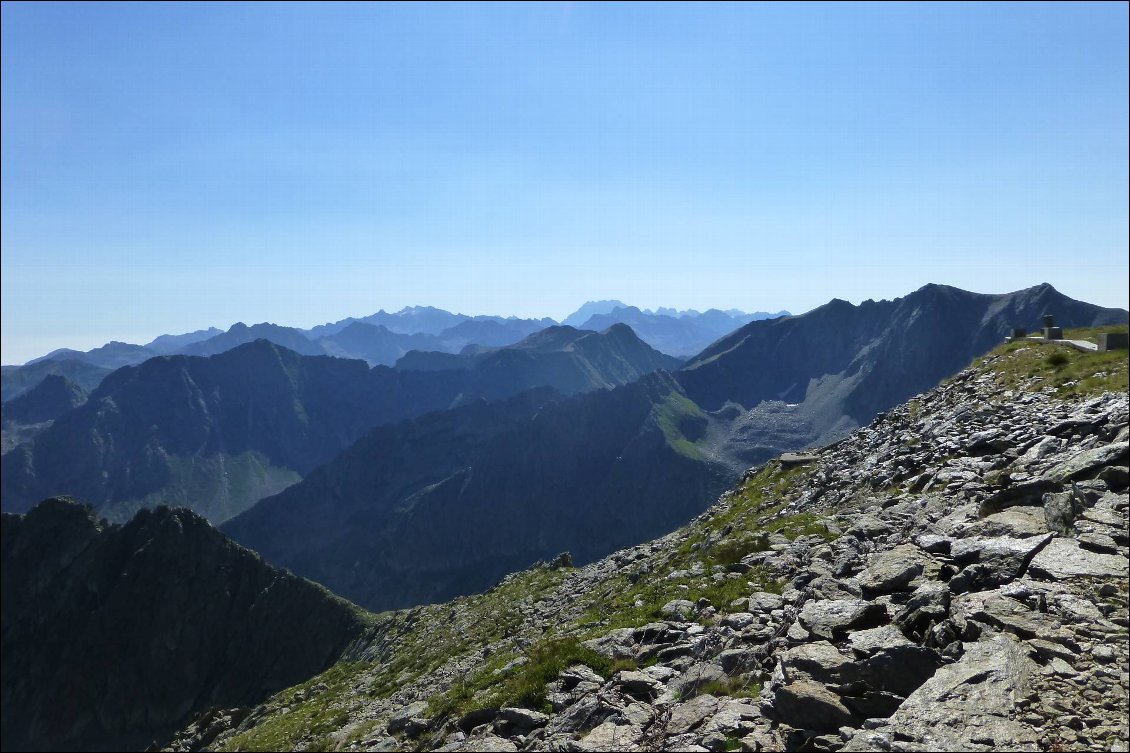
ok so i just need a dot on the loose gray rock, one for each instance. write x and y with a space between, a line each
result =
964 705
809 705
892 570
763 601
867 642
1063 559
831 618
690 715
1083 463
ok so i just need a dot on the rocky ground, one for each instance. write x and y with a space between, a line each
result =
952 577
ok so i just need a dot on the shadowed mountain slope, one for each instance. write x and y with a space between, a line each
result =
48 400
217 434
16 380
567 359
374 344
843 364
448 503
114 635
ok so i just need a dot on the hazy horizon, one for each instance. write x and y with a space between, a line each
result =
167 167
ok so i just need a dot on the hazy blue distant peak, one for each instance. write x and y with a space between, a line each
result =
410 310
113 354
166 344
57 355
590 309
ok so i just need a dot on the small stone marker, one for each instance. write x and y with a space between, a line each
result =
789 459
1113 341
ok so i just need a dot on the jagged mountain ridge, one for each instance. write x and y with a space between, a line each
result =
843 364
569 360
113 636
217 434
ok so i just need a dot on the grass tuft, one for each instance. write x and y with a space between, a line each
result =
523 685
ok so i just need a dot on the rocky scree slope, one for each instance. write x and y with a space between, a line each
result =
952 576
112 636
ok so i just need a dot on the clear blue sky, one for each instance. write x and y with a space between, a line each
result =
168 167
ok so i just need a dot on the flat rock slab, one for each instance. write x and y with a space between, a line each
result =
763 601
1017 522
1087 461
1000 548
819 661
868 527
997 560
826 618
1005 613
636 684
1063 559
866 642
809 705
486 743
612 734
691 715
966 706
893 570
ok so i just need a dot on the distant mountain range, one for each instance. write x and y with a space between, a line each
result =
448 470
217 434
398 486
379 339
444 504
678 333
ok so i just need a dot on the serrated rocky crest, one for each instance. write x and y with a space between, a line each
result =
951 577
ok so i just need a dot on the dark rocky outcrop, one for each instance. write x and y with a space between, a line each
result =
112 636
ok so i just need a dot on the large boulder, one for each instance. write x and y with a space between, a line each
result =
832 618
964 706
